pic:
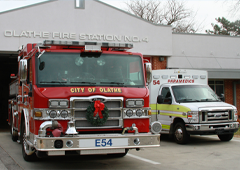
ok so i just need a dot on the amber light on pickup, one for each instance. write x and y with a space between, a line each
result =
38 114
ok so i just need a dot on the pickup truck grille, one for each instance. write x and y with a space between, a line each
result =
216 115
79 109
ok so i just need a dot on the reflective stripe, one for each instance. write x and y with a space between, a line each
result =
170 110
166 126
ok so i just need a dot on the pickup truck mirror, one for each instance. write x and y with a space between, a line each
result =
162 100
23 70
222 97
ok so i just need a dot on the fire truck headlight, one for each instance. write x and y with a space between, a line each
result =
63 103
134 102
53 114
139 113
192 116
129 113
64 114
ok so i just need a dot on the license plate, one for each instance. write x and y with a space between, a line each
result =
108 142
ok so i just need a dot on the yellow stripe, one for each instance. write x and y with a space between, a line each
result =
171 108
170 114
166 126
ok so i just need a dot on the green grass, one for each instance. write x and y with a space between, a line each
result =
238 132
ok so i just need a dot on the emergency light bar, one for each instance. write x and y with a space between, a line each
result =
80 43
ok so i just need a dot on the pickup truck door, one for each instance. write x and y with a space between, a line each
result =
163 110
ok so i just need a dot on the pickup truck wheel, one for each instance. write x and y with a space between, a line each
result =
226 137
28 152
180 134
119 155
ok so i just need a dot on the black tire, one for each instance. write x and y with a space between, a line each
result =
119 155
26 148
226 137
180 134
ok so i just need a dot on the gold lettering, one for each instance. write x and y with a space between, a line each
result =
119 90
78 89
82 90
90 90
101 89
109 90
93 89
72 90
105 90
115 90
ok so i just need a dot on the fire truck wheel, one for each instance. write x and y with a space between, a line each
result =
13 132
226 137
119 155
27 151
180 134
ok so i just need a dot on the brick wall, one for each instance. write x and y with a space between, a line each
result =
156 64
228 88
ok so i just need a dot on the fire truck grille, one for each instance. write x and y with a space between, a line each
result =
225 115
85 123
83 114
109 104
79 108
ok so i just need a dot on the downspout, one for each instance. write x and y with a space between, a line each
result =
235 92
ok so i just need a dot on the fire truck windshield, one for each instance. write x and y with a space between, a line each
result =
71 69
194 93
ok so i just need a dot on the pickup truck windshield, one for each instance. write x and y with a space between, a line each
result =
194 93
70 69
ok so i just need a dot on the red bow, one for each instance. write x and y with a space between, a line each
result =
99 107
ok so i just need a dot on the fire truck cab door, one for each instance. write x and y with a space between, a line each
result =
164 109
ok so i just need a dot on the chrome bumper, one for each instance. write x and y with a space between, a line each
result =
212 128
130 141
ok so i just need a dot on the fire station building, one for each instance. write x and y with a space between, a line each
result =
93 20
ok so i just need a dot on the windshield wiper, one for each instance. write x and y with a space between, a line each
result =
209 100
60 82
91 83
118 83
188 100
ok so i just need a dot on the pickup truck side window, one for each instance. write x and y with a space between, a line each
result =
166 95
166 92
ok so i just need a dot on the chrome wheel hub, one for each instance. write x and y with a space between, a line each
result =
179 134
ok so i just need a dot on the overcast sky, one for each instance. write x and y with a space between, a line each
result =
206 10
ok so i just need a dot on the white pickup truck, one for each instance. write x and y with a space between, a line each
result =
185 105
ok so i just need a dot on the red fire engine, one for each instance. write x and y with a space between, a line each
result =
82 97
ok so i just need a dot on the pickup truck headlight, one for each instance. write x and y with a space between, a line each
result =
235 114
192 116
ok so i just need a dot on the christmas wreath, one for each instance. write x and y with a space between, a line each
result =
97 113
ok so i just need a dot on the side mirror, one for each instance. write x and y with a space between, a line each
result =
148 72
160 99
222 97
23 70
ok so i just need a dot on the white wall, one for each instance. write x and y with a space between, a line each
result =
205 52
97 19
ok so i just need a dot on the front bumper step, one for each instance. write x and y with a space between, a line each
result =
94 142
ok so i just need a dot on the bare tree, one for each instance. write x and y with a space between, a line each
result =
172 12
234 6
